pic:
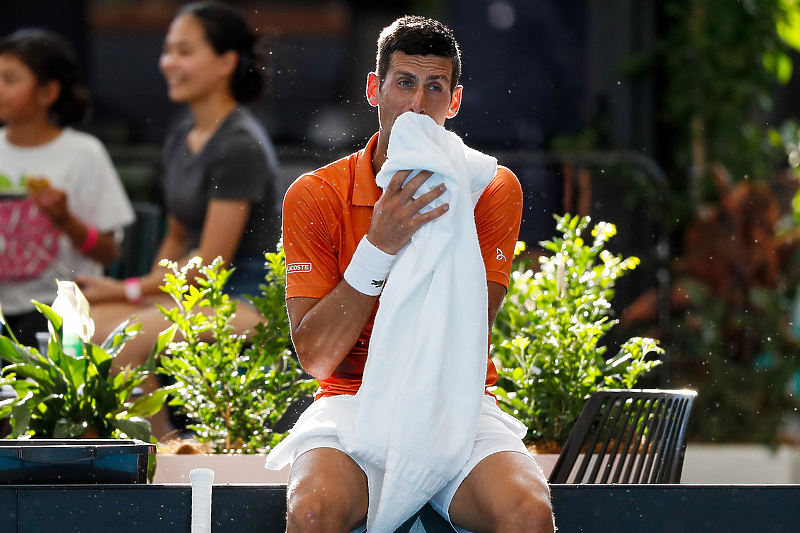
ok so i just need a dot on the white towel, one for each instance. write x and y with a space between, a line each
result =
414 419
421 395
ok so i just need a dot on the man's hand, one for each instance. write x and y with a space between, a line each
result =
397 214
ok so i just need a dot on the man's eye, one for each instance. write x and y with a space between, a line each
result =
435 88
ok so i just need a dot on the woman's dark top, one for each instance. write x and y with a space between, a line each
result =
237 163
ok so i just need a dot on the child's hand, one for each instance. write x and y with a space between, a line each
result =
53 203
36 183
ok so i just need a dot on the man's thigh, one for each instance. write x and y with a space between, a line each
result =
327 481
499 485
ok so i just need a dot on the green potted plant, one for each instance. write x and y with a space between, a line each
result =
546 338
62 394
735 303
233 391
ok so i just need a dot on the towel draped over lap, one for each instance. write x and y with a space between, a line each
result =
414 418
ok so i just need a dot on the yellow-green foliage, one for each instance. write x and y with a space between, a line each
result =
545 340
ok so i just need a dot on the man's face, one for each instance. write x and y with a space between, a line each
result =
414 83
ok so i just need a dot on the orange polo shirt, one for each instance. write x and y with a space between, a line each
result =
326 213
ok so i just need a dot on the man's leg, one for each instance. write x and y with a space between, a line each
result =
327 491
505 493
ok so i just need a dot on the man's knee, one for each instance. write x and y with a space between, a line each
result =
527 508
532 513
327 491
311 513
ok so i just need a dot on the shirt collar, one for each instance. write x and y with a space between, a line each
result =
365 191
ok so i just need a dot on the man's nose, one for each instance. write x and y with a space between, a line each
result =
418 101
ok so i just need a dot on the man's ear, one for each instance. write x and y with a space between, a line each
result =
373 86
49 92
455 102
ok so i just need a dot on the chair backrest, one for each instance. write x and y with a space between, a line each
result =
627 436
141 242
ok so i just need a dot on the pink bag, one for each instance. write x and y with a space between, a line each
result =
28 241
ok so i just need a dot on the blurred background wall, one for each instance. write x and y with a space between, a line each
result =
533 70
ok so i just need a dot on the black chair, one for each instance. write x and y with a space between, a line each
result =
627 436
141 242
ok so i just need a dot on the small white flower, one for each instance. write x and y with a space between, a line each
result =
561 275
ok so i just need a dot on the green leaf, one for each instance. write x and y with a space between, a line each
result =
74 371
194 296
148 404
15 353
51 316
20 419
788 26
119 336
101 359
67 429
41 376
134 428
164 338
780 65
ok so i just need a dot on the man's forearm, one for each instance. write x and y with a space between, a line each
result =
324 331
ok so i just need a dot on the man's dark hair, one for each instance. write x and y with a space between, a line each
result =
415 35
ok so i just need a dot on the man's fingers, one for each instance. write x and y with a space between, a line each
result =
423 218
396 183
428 197
416 182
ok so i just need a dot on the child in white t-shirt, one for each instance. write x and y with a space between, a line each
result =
63 199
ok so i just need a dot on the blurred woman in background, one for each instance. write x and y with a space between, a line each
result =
219 179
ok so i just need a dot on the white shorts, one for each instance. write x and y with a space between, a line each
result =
497 432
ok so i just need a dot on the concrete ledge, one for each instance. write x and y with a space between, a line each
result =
261 508
740 464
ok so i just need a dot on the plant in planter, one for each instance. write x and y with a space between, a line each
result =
234 392
734 307
546 338
60 394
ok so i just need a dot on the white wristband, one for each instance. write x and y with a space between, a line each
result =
368 269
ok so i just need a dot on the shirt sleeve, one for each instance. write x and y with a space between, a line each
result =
311 223
240 171
498 215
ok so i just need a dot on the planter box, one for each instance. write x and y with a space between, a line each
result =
175 468
74 461
740 464
248 468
